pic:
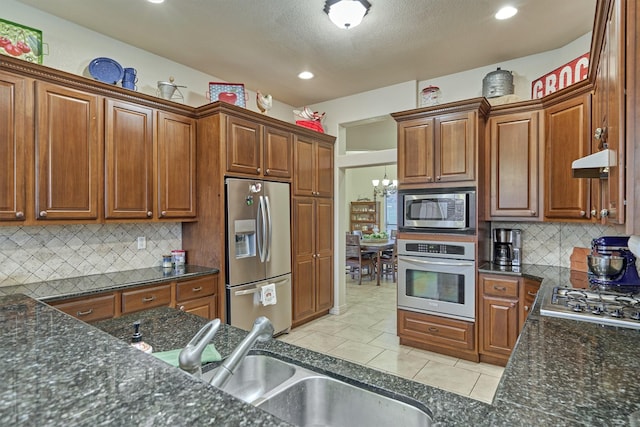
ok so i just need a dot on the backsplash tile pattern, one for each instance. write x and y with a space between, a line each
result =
552 243
34 254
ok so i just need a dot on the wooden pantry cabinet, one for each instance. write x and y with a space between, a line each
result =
200 296
313 167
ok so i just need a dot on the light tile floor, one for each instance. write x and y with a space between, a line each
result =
366 334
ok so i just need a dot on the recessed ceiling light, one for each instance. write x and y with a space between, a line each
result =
506 12
155 1
305 75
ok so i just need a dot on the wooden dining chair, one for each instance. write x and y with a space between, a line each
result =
357 260
389 262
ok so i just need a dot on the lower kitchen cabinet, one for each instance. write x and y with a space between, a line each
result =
89 309
440 334
198 296
146 297
504 303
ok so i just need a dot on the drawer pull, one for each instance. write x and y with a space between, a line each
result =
433 329
499 288
84 313
148 299
532 294
198 289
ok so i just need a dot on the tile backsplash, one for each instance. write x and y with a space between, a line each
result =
552 243
34 254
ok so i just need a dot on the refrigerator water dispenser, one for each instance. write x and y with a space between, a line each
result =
245 238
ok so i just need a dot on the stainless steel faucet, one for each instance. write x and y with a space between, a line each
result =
190 358
262 331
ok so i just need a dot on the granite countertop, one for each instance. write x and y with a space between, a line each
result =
52 290
61 371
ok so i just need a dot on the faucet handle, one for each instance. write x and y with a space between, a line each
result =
190 358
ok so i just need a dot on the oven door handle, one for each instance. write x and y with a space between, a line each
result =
447 263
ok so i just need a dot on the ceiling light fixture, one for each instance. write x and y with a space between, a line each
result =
346 13
156 1
506 12
305 75
388 186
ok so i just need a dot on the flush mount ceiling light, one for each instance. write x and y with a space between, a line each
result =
305 75
155 1
506 12
346 13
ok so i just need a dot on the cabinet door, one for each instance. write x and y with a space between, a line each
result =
324 253
415 151
203 307
278 147
128 160
304 166
323 169
68 153
530 289
567 138
243 146
13 143
176 166
514 162
499 327
304 250
455 143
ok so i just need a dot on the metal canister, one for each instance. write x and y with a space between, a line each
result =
497 83
178 259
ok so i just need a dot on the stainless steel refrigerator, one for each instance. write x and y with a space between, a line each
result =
258 259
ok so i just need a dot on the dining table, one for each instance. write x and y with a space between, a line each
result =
378 246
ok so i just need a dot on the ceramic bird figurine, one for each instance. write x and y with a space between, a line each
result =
265 102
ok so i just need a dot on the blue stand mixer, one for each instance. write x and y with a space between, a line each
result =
612 266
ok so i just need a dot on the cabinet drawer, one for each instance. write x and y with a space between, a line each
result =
90 309
141 299
438 330
500 287
196 288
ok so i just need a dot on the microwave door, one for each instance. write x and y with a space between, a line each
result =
244 232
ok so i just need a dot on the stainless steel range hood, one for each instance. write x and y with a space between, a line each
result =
595 165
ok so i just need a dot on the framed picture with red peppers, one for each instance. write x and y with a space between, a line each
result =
232 93
20 41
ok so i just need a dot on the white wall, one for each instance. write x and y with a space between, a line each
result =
72 47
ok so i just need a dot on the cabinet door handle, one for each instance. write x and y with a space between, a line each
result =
148 299
198 289
43 213
526 308
532 294
433 329
84 313
438 178
149 214
258 170
163 213
429 179
604 213
266 172
181 308
582 213
499 288
533 213
19 214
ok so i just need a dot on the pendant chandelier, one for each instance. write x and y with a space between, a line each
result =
385 187
346 13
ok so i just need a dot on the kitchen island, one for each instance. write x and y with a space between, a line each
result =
60 371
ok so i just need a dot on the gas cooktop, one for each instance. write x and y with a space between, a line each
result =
594 305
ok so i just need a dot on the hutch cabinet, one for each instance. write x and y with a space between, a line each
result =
365 216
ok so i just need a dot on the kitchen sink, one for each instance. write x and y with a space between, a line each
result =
256 376
324 401
305 398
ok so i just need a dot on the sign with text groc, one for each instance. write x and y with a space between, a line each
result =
561 77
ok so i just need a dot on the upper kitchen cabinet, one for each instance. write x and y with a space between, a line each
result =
15 137
68 152
128 160
176 174
438 145
257 150
567 138
313 167
515 159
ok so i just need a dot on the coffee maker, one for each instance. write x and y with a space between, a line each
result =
507 246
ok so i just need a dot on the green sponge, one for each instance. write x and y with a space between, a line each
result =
210 354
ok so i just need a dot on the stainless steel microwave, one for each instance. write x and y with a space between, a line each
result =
438 210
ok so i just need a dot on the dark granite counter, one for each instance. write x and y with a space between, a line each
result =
60 371
52 290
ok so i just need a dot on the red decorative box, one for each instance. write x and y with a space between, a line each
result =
311 124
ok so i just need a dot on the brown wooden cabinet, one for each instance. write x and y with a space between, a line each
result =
312 258
313 167
440 334
176 138
438 146
364 216
515 160
129 161
567 138
68 151
256 149
199 296
146 297
503 305
90 309
16 130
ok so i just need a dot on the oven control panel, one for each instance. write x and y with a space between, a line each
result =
455 250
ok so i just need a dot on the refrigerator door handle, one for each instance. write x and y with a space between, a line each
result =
257 288
261 232
269 228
